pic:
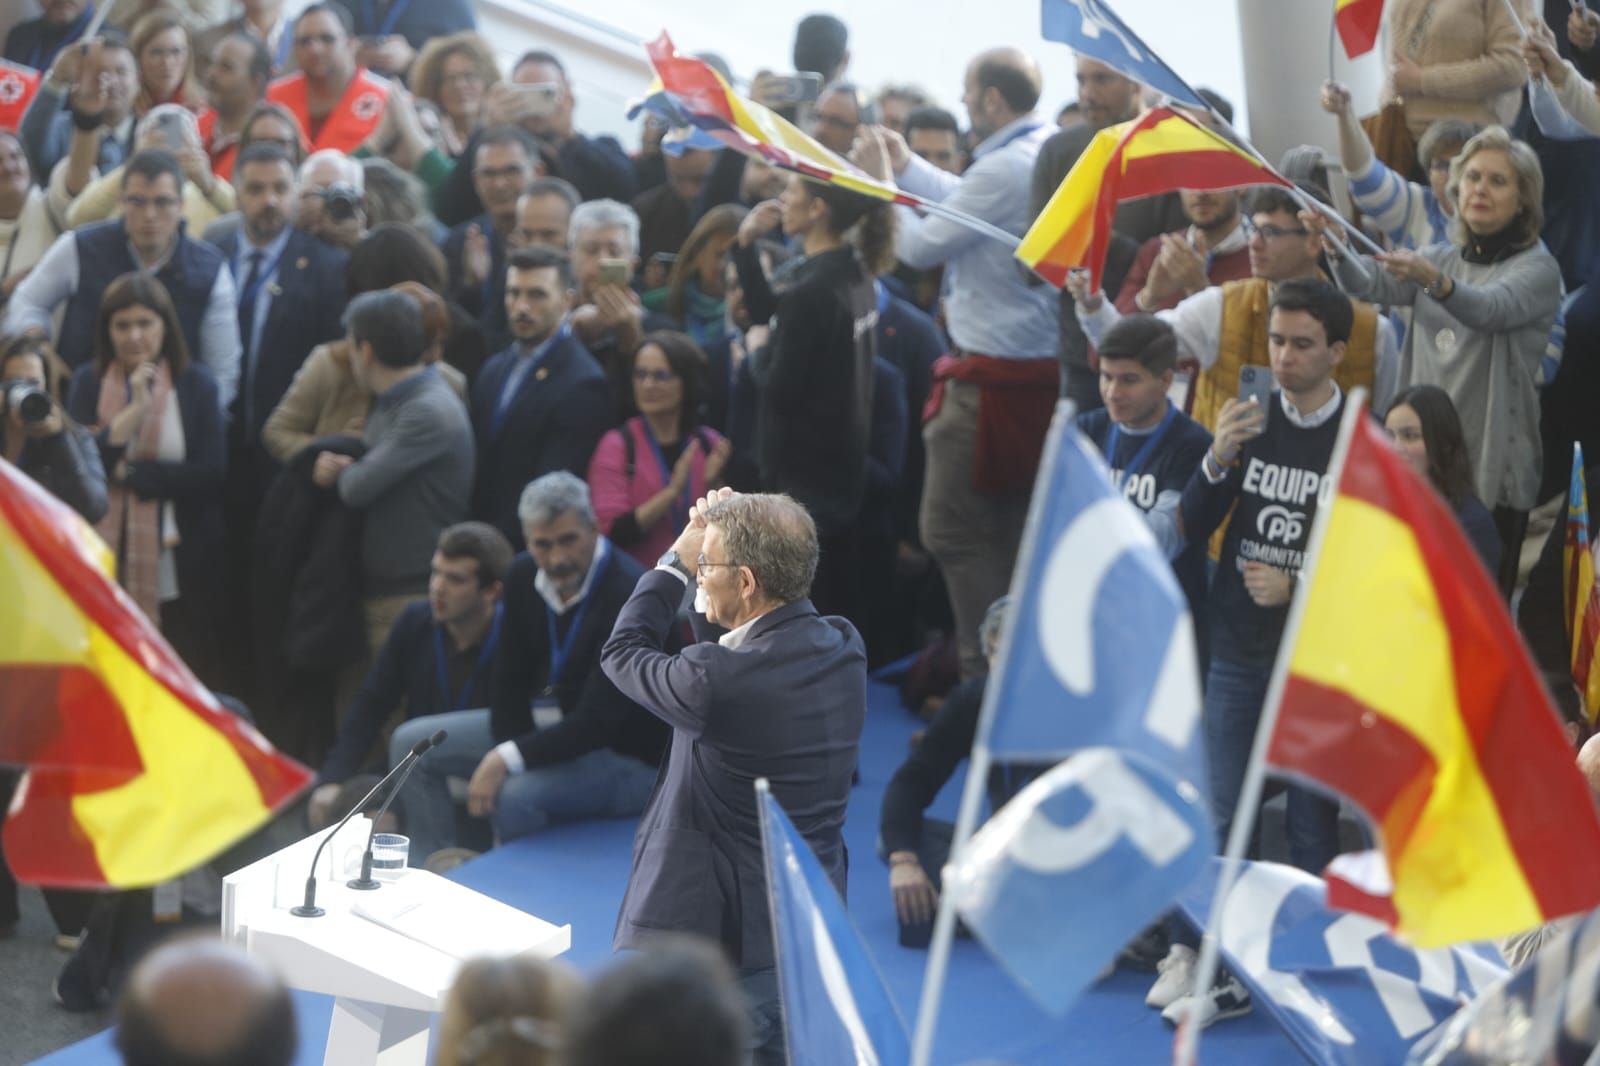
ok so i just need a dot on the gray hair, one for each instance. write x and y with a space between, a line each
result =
348 169
774 536
1457 131
392 195
1529 219
993 625
548 498
604 214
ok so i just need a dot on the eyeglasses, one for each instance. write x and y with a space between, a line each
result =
660 377
515 172
701 562
1269 231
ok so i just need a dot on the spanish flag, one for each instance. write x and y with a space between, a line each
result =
1357 22
1408 690
134 773
688 93
1582 595
1158 152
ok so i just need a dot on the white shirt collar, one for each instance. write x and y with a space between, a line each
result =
1235 241
547 588
736 636
1315 418
1002 136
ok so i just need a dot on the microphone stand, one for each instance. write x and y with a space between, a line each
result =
366 882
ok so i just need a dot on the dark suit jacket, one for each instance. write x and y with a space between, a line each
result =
556 418
485 301
303 314
787 705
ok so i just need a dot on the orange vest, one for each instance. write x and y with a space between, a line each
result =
222 156
17 86
352 119
1243 342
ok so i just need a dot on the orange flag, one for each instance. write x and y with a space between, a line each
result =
134 773
1409 691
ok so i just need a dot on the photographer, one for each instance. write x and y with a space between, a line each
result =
38 438
331 188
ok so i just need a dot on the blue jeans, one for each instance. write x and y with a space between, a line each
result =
1234 696
599 784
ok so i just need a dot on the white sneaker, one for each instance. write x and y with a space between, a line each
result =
1226 1000
1176 980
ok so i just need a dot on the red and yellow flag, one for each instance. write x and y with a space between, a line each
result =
1158 152
1581 595
1357 22
1409 691
134 773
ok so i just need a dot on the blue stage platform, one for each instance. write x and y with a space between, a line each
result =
577 874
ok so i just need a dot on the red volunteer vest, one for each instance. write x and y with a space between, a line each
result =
352 119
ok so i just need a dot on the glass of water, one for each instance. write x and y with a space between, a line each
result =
389 855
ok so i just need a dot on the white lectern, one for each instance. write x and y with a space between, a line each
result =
387 956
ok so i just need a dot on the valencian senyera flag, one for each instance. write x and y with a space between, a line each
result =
1409 691
1357 22
1160 151
688 94
133 772
1580 593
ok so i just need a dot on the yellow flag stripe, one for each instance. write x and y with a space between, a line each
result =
1458 870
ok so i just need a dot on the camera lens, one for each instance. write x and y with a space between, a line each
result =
29 401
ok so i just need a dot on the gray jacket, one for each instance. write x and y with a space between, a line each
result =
1482 345
415 480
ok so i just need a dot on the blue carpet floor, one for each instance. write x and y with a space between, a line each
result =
576 874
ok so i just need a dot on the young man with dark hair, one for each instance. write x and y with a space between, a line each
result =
416 474
440 655
673 1002
822 46
148 237
504 160
1152 447
934 134
542 404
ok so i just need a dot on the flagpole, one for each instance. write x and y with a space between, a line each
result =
979 763
1245 812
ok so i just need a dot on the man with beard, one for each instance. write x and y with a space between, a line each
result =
542 404
1214 248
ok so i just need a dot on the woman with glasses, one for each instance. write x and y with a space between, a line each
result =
1482 306
162 52
450 79
154 411
646 474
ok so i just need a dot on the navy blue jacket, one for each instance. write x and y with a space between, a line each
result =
909 339
787 705
485 301
305 312
553 422
405 676
193 484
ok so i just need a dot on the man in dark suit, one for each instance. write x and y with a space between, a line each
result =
781 694
558 742
291 293
540 405
504 160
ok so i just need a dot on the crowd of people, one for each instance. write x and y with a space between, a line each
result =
403 403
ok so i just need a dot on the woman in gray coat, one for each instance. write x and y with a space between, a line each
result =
1482 307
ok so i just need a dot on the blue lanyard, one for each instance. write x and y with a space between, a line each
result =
561 650
396 9
680 506
441 664
268 270
1020 131
508 396
1141 456
285 42
41 58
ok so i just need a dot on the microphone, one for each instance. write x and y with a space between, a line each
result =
309 908
366 882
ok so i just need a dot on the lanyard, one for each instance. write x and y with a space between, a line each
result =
680 506
508 392
248 294
561 649
285 42
396 9
441 665
41 57
1143 454
1020 131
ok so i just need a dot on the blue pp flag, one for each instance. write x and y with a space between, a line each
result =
1092 29
1344 989
835 1006
1075 865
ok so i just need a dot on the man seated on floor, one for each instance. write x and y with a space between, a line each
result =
439 656
559 742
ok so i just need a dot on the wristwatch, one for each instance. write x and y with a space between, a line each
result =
674 560
1440 289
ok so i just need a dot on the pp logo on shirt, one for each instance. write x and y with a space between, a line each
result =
1278 523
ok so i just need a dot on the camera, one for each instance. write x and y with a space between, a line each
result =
341 201
27 399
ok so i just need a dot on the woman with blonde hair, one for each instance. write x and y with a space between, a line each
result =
507 1012
1482 306
453 75
164 55
695 289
